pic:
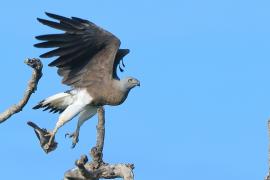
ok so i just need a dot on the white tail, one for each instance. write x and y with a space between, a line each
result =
56 103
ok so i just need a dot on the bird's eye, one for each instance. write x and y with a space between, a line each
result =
129 80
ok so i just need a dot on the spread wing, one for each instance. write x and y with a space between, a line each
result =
86 54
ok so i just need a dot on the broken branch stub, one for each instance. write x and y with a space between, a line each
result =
31 88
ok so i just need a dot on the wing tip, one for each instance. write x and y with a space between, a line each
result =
40 20
37 45
39 37
39 105
51 64
44 21
44 55
52 15
48 14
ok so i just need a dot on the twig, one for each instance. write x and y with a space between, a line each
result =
97 169
32 86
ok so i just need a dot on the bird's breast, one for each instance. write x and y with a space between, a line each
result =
112 97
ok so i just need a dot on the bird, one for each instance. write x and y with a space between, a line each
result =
87 58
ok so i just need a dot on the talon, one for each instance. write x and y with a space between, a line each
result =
67 134
74 141
73 145
74 137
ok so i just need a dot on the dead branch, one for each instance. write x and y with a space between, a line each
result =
43 136
32 86
106 171
97 169
96 152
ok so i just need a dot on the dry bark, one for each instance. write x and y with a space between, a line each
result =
43 136
32 86
97 169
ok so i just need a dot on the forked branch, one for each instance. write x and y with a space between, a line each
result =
32 86
97 169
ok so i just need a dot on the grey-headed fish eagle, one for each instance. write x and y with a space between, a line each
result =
87 59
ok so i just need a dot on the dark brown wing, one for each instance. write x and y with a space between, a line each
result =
86 53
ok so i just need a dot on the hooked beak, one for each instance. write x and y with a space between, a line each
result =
138 83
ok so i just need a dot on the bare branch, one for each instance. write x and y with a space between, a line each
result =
97 169
96 152
32 86
106 171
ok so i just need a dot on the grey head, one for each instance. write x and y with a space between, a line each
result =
127 83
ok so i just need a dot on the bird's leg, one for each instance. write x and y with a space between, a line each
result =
48 145
74 136
84 116
65 117
51 135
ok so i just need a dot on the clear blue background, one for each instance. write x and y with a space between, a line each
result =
204 101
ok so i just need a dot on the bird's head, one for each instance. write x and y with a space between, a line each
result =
129 83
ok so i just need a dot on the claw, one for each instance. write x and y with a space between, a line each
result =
74 137
67 134
73 145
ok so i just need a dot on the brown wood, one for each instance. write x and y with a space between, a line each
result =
31 88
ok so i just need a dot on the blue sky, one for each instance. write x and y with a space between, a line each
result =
201 111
